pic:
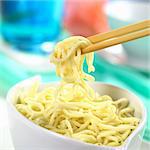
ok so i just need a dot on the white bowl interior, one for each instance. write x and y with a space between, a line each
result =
102 88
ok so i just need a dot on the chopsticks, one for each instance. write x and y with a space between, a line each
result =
118 36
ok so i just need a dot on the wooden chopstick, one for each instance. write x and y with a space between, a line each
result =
117 40
118 36
121 31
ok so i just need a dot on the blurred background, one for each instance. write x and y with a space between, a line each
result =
29 29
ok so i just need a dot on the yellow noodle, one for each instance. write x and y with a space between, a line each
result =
73 108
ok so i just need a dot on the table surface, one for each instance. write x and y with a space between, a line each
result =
5 137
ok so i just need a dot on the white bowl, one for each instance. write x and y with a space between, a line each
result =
124 12
28 136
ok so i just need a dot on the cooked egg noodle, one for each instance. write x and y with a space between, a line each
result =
73 108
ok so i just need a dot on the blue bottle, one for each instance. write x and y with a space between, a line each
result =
26 24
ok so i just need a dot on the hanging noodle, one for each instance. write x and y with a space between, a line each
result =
73 108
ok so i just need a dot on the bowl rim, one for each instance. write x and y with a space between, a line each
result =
43 130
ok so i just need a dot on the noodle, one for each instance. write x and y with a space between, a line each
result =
73 108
